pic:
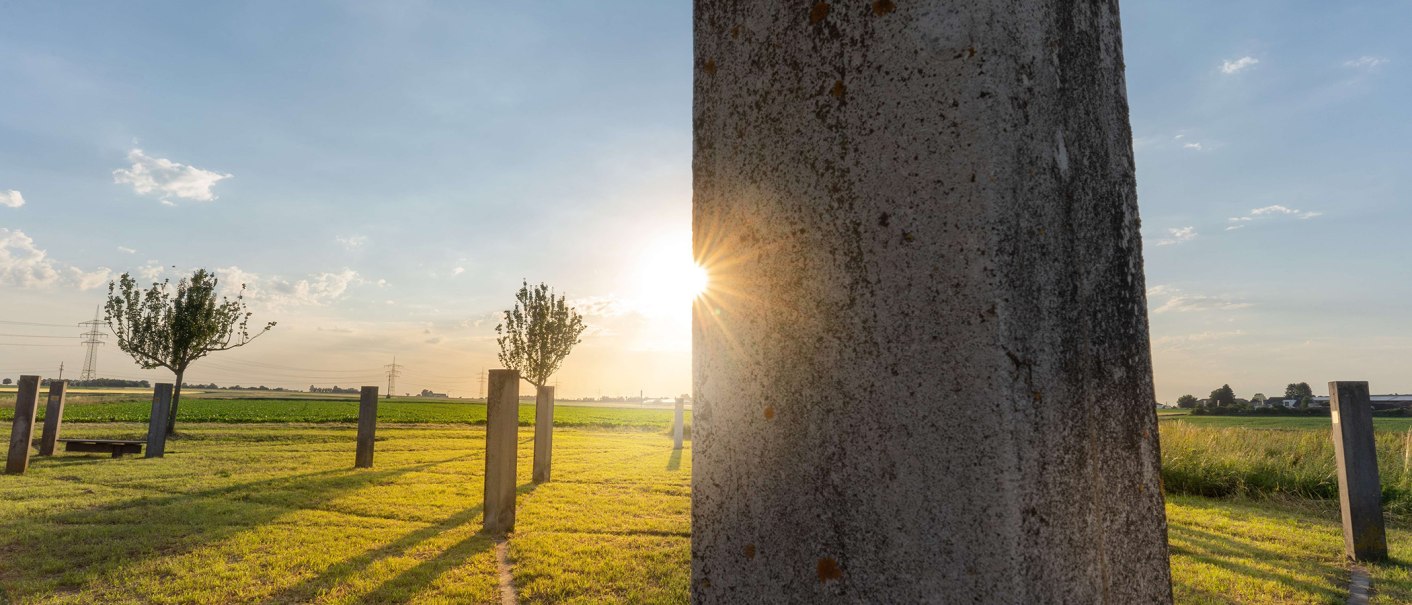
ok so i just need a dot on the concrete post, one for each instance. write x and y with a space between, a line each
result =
157 422
921 370
22 431
1360 493
367 427
543 432
677 422
502 421
53 417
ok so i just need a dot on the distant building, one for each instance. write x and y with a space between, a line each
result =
428 393
1380 402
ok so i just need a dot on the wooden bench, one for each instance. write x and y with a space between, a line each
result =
117 447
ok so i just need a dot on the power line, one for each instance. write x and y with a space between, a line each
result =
31 323
393 371
37 336
93 338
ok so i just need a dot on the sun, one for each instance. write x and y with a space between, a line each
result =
668 279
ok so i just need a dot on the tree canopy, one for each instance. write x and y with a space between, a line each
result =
1223 396
538 333
160 328
1187 401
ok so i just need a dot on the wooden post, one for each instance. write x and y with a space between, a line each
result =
502 420
53 417
367 426
1359 490
677 423
543 432
26 405
157 423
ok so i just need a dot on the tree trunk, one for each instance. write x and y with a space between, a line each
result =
176 399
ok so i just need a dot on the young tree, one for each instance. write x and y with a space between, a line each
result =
538 333
159 328
535 338
1187 402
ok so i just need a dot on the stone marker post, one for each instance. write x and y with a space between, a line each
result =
22 431
543 432
1360 493
502 421
921 368
157 423
677 422
367 426
53 417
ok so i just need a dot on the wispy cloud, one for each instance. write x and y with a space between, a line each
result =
11 199
352 242
167 179
126 250
317 289
1238 222
1175 300
1365 63
1231 67
1178 236
458 270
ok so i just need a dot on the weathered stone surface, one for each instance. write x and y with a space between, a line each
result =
157 423
53 417
543 432
367 427
502 421
22 427
922 369
1360 492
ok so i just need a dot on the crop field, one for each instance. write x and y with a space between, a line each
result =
1394 423
346 410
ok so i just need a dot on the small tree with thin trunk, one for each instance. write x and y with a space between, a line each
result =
161 328
538 333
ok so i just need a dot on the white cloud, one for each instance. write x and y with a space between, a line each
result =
1178 236
1192 146
88 280
458 270
274 291
1178 301
1231 67
25 265
22 263
352 242
167 179
1365 63
126 250
11 199
1239 222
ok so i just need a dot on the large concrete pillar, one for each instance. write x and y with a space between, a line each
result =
543 433
922 370
158 423
502 425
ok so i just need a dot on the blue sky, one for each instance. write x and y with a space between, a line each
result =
382 175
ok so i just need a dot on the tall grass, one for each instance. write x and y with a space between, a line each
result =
1223 462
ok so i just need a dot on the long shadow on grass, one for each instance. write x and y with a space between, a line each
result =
1219 551
91 543
674 462
410 581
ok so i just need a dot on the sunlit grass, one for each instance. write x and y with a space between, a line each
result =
275 513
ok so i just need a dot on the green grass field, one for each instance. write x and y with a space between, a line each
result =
346 410
275 513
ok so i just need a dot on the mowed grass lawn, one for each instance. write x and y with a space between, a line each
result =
275 513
